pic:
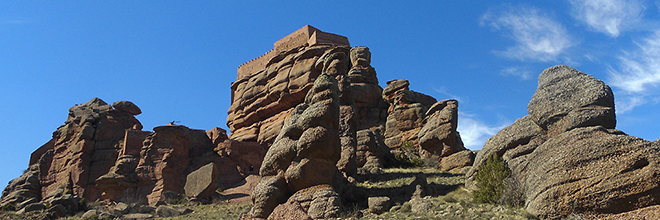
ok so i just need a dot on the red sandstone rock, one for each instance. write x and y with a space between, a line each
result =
84 148
305 153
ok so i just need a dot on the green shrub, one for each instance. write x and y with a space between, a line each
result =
490 180
8 207
408 157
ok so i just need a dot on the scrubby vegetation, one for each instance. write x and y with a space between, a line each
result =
408 156
490 180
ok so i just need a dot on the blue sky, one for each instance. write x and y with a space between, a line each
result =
177 59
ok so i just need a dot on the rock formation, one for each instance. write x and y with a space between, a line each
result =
302 160
100 153
169 158
567 154
311 109
82 149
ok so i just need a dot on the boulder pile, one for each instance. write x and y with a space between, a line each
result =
567 154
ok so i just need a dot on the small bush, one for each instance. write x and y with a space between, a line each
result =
180 201
8 207
408 157
490 180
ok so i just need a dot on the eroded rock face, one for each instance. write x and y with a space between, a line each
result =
84 148
305 152
567 155
23 190
262 101
438 136
406 113
598 170
164 161
372 154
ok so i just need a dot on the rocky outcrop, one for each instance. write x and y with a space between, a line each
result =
304 155
81 150
167 156
405 114
371 109
567 154
100 153
372 154
417 124
438 136
180 160
23 190
262 101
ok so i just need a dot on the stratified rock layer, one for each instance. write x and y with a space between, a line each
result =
567 154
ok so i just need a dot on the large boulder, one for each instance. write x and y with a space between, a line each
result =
567 98
202 183
592 169
567 155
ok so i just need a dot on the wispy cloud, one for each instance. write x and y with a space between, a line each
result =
524 72
627 103
443 91
608 16
537 35
637 74
474 133
639 70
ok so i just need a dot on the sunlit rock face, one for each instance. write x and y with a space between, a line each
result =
567 154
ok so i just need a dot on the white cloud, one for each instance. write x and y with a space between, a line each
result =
608 16
443 91
639 70
637 74
628 103
474 133
537 36
520 71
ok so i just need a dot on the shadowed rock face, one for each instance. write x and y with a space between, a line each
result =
305 152
567 154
